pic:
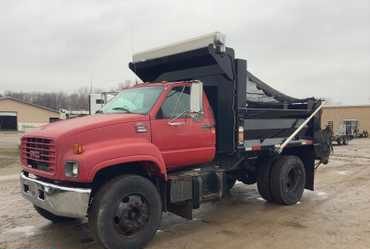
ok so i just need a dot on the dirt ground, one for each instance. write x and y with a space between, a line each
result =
336 215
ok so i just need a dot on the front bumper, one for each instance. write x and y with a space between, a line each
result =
59 200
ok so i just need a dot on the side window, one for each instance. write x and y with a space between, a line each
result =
176 103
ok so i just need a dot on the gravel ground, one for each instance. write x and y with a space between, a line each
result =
336 215
9 160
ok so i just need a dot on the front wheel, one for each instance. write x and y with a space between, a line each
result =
125 213
287 180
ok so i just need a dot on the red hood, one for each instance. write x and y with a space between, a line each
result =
77 125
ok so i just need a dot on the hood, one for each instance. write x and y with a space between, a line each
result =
81 124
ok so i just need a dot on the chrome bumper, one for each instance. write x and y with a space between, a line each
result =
59 200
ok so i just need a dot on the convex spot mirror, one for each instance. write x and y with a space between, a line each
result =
196 98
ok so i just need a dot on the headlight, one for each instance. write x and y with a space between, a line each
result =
71 168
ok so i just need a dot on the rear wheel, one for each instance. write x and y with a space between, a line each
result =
287 180
263 179
52 217
345 141
125 213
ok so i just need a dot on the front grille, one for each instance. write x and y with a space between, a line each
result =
38 153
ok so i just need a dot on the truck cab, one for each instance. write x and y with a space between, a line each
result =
181 138
155 117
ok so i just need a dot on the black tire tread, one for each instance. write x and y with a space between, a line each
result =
263 179
275 178
99 198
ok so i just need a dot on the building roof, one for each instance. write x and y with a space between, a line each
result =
27 103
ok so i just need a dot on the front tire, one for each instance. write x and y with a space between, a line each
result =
125 213
52 217
287 180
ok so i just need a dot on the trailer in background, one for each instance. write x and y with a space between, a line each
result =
98 100
339 135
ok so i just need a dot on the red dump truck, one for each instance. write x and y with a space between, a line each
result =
199 122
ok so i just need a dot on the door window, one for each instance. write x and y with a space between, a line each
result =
176 103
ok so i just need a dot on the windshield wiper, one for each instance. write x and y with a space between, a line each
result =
121 108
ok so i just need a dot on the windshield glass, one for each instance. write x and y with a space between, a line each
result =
134 100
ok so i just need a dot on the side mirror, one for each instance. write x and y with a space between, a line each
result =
196 97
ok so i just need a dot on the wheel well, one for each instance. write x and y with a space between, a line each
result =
146 169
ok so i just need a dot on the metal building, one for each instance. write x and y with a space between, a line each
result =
18 115
353 118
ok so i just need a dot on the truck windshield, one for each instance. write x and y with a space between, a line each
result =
134 100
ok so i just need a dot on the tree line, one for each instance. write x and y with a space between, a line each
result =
77 100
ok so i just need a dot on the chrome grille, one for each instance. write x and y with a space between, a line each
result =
38 153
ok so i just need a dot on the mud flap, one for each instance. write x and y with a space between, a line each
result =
180 196
309 165
183 209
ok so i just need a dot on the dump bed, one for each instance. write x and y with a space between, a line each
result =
269 116
238 98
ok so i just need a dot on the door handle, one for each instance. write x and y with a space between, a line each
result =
176 123
207 126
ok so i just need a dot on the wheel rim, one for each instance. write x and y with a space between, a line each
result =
132 215
292 179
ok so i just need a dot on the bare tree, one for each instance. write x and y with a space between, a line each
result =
77 100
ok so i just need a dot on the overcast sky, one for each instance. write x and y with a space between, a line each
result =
303 48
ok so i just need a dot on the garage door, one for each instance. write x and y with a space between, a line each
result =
8 121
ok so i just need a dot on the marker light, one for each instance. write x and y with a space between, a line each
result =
78 149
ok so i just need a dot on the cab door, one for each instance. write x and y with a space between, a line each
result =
183 140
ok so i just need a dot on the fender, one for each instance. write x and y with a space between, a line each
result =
125 152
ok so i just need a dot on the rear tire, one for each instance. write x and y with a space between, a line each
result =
345 141
125 213
263 179
52 217
288 178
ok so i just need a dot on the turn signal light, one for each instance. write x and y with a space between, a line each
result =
78 149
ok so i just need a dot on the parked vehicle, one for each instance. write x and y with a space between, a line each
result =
98 100
339 135
364 134
352 129
170 145
361 134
